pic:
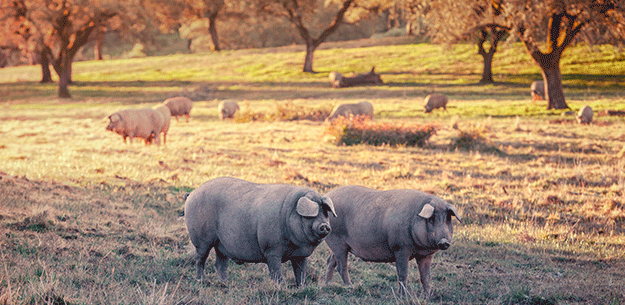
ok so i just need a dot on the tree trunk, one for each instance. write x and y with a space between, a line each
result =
99 42
212 30
487 73
62 66
554 92
44 61
308 61
549 64
64 80
69 71
495 33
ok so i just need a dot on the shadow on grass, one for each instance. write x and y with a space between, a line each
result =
511 87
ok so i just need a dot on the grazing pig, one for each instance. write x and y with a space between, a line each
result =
142 123
435 100
250 222
584 116
538 90
165 120
179 106
345 110
388 226
336 79
227 109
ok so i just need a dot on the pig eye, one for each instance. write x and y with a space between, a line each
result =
448 217
432 219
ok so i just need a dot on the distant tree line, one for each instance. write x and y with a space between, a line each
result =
50 32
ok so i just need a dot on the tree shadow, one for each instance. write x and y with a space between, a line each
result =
509 87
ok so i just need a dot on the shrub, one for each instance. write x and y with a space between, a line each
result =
290 112
472 139
285 112
360 129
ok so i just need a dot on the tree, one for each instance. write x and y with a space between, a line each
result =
451 21
173 14
59 28
557 23
300 12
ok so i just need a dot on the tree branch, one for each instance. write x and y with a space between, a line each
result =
555 22
335 23
296 19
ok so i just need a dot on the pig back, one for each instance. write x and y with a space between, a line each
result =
138 123
148 122
179 105
372 223
233 212
246 218
164 118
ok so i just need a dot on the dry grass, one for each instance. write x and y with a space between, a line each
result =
543 219
87 219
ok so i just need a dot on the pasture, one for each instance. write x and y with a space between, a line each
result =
87 219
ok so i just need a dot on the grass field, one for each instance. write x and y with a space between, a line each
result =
87 219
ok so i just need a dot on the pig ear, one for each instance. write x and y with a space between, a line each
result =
427 211
307 208
453 211
326 201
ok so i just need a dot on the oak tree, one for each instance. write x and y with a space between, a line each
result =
300 13
548 27
59 28
452 21
172 14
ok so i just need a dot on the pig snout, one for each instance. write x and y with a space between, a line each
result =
443 244
323 229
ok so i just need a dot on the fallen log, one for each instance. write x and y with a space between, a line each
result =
610 112
339 81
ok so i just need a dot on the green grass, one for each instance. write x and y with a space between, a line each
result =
85 218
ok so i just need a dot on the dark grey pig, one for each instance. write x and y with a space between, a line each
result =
256 223
537 90
388 226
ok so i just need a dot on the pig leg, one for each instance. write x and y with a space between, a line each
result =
401 264
341 259
299 270
201 253
331 265
424 272
156 137
274 263
221 264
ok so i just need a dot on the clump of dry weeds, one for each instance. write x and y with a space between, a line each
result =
473 138
284 112
361 130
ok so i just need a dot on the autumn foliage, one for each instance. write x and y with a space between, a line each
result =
361 130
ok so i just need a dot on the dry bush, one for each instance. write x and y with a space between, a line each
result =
285 112
361 130
473 139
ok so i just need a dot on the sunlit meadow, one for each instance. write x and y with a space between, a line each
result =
88 219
